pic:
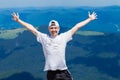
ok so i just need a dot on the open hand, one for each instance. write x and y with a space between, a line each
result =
92 16
15 16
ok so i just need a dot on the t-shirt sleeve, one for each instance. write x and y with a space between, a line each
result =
40 37
68 35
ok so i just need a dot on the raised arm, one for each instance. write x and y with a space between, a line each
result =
25 24
92 16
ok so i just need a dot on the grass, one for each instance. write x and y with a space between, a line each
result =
11 34
89 33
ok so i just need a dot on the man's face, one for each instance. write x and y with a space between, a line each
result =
54 30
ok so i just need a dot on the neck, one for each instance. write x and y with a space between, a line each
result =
53 35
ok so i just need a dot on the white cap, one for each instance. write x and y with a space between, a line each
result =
53 22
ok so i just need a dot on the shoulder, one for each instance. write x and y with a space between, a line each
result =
42 35
67 32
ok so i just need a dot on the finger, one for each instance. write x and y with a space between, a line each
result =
95 16
17 14
94 13
13 14
89 12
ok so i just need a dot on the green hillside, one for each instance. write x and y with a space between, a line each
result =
11 34
90 55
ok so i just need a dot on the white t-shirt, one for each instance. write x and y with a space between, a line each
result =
54 50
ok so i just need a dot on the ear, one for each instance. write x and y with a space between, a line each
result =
59 30
48 28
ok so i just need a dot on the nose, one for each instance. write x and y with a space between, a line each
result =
54 29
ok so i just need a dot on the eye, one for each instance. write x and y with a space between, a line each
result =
51 28
55 27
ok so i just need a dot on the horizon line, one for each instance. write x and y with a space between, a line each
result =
60 7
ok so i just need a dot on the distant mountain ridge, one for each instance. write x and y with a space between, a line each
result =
108 17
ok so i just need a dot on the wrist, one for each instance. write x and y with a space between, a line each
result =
17 20
90 19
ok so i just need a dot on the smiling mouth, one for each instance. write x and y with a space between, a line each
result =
53 32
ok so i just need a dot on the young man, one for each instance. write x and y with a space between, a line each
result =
54 46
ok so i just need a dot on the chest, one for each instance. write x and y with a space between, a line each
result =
54 42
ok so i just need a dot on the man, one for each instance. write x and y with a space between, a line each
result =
54 46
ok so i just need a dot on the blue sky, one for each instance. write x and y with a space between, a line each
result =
64 3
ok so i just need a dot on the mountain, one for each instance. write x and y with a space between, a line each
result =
93 54
89 54
108 17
